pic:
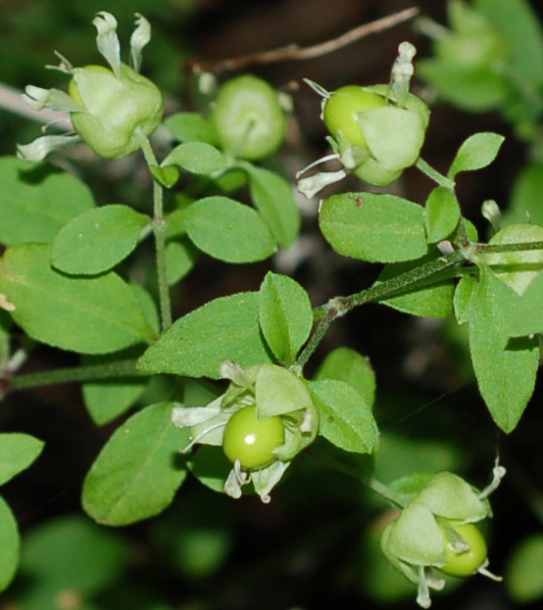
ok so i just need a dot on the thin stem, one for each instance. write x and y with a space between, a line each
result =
388 288
339 306
159 230
122 368
434 175
386 492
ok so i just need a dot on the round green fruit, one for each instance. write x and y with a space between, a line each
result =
251 440
249 118
343 108
466 562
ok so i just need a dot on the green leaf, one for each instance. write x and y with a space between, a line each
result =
375 228
517 268
138 471
527 318
465 289
525 200
229 230
286 316
107 399
37 200
197 344
431 298
441 214
345 364
505 370
346 419
9 543
85 315
478 151
279 391
191 127
167 176
87 558
273 197
17 452
181 256
97 240
211 467
524 577
196 158
473 89
520 25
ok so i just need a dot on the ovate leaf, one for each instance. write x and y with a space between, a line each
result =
196 158
97 240
345 364
346 419
285 314
138 471
375 228
36 200
273 197
478 151
17 452
505 369
85 315
441 214
229 230
198 343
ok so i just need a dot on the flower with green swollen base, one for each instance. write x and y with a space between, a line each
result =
435 534
259 429
112 109
377 131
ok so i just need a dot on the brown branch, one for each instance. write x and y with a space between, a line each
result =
292 52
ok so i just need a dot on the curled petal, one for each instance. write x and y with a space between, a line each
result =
41 147
107 40
53 99
140 37
312 185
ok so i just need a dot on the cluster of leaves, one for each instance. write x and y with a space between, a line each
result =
66 281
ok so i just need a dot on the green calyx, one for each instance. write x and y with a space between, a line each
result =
118 109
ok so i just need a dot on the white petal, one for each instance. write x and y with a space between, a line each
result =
41 147
107 40
311 186
140 37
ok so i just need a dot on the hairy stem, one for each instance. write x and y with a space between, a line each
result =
159 230
93 372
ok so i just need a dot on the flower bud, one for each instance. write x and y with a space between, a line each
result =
117 109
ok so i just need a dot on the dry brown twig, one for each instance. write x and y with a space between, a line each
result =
293 52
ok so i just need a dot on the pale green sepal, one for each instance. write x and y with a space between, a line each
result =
266 479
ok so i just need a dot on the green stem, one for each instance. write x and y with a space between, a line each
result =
339 306
354 473
159 230
434 175
385 492
93 372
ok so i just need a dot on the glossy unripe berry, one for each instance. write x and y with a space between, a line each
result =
251 440
249 118
467 562
343 108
